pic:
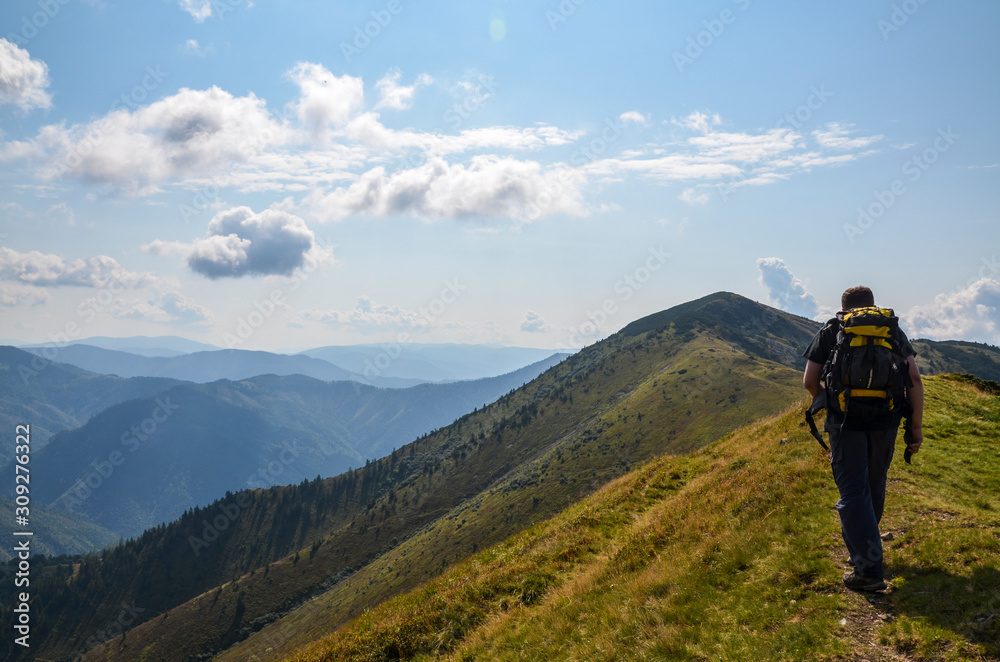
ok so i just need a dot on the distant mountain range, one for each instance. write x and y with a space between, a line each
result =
428 362
142 462
208 366
142 345
391 365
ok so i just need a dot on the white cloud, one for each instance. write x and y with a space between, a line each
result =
784 290
15 294
325 100
199 9
729 159
698 121
489 186
241 243
166 308
191 132
63 212
837 136
192 47
396 96
533 323
369 315
693 197
48 270
969 314
368 130
23 81
675 167
745 147
633 117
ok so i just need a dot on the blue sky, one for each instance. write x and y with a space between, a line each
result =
281 175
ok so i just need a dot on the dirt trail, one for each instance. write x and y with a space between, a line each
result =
866 612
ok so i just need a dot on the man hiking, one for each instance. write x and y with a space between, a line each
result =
861 368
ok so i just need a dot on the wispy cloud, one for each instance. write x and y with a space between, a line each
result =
396 96
199 9
49 270
838 136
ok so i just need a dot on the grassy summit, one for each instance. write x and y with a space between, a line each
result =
732 552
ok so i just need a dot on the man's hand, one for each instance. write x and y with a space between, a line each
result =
913 437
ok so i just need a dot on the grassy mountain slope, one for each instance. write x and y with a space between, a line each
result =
144 462
56 396
731 552
491 474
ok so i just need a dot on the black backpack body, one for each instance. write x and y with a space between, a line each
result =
866 375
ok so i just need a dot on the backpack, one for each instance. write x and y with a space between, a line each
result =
866 374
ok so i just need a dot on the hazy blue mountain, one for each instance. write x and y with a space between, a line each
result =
199 367
146 461
203 367
56 396
149 346
429 362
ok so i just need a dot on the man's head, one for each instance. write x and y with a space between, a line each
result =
857 297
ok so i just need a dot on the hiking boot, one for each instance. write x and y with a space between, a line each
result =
856 582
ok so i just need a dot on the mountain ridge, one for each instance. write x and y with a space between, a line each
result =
377 531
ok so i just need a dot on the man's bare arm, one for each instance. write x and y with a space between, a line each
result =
810 378
915 394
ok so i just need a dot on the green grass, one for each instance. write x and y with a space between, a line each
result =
730 553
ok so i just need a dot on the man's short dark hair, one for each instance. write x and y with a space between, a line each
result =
857 297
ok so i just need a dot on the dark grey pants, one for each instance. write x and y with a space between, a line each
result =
860 462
